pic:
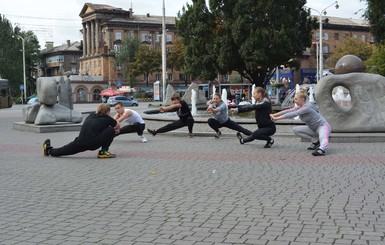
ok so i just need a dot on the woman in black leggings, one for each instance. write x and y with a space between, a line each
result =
263 109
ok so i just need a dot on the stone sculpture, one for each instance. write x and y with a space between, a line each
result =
55 105
366 112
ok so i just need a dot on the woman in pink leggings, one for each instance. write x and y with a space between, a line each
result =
317 129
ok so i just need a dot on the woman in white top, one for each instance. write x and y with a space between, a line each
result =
132 119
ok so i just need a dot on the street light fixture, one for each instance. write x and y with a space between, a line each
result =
164 64
321 37
24 77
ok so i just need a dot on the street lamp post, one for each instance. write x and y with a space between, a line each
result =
24 77
321 37
164 64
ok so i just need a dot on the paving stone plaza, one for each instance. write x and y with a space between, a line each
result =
201 191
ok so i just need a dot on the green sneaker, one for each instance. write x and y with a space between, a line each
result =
105 154
46 147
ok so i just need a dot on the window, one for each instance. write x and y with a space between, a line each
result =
117 48
336 36
158 77
317 36
54 59
355 36
73 59
325 49
363 38
169 38
169 77
326 36
157 37
118 36
146 38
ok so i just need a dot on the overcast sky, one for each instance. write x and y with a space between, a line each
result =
56 22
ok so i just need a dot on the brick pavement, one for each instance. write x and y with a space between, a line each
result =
175 190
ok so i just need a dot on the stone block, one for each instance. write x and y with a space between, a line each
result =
366 112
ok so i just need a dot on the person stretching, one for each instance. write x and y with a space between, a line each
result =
183 112
220 117
134 122
98 130
262 108
317 129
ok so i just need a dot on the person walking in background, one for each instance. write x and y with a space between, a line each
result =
98 130
134 122
220 118
317 129
263 109
183 112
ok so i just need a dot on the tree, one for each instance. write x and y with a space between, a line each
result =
11 56
247 36
353 46
176 56
125 56
146 62
376 64
375 14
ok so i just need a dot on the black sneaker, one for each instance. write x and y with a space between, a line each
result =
240 138
318 152
269 144
151 132
218 134
314 146
46 147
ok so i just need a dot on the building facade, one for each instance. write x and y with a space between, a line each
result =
104 29
56 59
334 31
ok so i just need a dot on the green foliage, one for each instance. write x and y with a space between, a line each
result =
247 36
126 56
176 56
375 14
11 56
146 62
352 46
376 64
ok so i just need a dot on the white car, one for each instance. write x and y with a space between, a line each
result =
33 101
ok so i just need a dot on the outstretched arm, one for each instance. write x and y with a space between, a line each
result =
170 107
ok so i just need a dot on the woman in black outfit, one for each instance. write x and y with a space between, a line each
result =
183 112
98 130
263 109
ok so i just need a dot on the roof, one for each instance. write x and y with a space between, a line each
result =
119 15
68 46
344 21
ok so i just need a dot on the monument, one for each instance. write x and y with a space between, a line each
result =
55 105
366 112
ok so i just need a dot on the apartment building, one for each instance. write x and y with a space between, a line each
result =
64 57
334 31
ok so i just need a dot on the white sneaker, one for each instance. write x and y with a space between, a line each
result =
144 140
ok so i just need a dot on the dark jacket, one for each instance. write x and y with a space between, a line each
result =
262 112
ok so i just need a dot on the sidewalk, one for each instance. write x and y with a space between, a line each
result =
200 191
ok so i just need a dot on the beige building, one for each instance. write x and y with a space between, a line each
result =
104 28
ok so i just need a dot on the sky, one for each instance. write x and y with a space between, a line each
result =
54 23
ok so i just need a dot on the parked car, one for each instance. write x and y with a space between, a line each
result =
125 100
32 101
